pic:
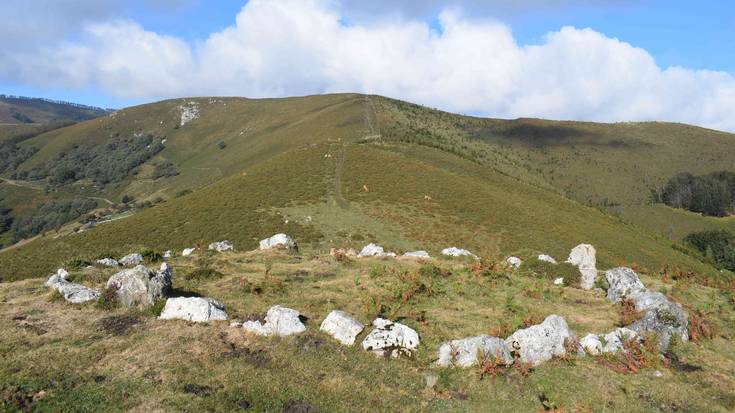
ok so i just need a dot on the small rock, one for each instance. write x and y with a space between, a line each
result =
622 282
279 321
547 258
131 260
559 281
168 254
279 241
108 262
540 342
392 338
514 262
187 251
591 344
342 327
457 252
431 380
417 254
196 309
583 257
657 373
467 352
221 246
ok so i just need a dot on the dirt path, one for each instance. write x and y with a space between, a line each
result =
22 184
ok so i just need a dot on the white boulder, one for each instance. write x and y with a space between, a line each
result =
108 262
471 350
342 326
371 250
392 338
457 252
221 246
280 241
279 321
583 257
73 293
622 282
514 262
131 260
417 254
540 342
196 309
141 286
187 251
615 339
591 344
559 281
168 254
547 258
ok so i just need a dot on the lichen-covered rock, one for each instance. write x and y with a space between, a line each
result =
457 252
279 321
141 286
540 342
221 246
469 351
196 309
73 293
108 262
661 316
391 338
131 260
622 282
187 251
417 254
547 258
591 344
614 340
342 326
514 262
583 256
278 241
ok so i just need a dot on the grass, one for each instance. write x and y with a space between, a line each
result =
111 360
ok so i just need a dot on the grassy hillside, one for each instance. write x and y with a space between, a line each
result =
25 110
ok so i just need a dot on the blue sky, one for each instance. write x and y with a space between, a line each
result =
695 36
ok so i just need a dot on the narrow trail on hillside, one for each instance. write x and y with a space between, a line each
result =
22 184
372 130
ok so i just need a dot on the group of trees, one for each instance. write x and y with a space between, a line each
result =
12 155
103 164
712 194
718 247
51 215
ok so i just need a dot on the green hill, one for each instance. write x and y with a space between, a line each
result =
25 110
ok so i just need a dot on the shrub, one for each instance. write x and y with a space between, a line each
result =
717 247
76 263
163 169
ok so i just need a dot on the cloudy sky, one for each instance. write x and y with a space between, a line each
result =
602 60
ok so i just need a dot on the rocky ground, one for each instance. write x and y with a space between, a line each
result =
223 330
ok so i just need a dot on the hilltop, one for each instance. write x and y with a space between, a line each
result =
27 110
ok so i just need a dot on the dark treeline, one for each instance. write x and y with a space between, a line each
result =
50 215
718 247
712 194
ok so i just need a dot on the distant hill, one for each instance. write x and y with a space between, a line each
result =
25 110
362 168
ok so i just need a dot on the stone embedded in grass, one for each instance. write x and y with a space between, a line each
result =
372 250
168 254
108 262
131 260
612 342
583 257
278 241
622 282
279 321
342 326
662 316
514 262
457 252
221 246
540 342
559 281
471 350
547 258
73 293
392 338
591 344
196 309
141 286
187 251
417 254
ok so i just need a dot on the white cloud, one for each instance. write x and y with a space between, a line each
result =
294 47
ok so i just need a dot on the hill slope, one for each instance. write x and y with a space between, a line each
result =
23 110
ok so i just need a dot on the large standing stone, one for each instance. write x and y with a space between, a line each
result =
196 309
540 342
141 286
221 246
583 257
392 338
469 351
131 260
279 321
622 282
280 241
342 326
